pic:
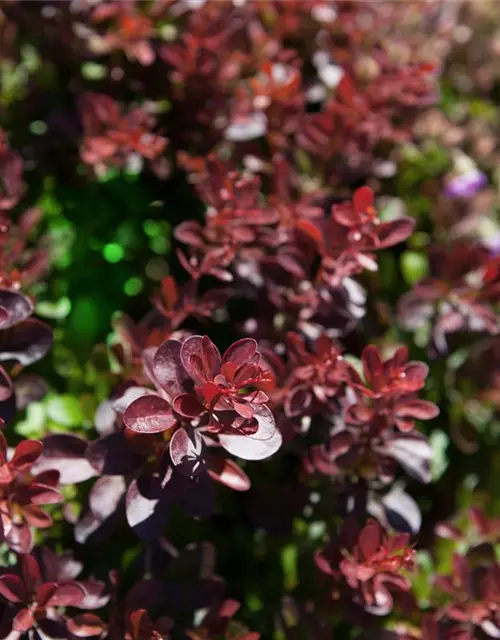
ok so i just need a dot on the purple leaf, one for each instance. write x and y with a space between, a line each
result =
169 370
5 385
147 507
241 351
186 451
105 418
15 308
26 343
65 453
196 495
402 511
227 472
187 405
58 567
192 348
210 356
94 597
105 496
260 445
394 232
19 538
149 414
12 588
413 453
125 399
113 455
86 526
29 388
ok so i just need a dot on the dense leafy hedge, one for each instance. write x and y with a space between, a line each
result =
249 294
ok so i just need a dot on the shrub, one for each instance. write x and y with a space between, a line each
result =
263 240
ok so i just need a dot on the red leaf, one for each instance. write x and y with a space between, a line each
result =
419 409
23 620
370 539
362 199
311 231
169 292
86 625
66 595
36 517
372 365
26 454
394 232
346 89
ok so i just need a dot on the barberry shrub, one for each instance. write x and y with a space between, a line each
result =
249 304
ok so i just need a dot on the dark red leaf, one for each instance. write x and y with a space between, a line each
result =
187 405
86 625
394 232
26 453
240 351
5 385
12 588
227 472
311 231
66 595
149 414
169 370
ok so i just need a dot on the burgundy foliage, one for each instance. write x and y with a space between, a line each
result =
272 396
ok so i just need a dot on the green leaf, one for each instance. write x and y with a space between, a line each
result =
439 442
65 410
414 266
54 310
33 424
289 566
